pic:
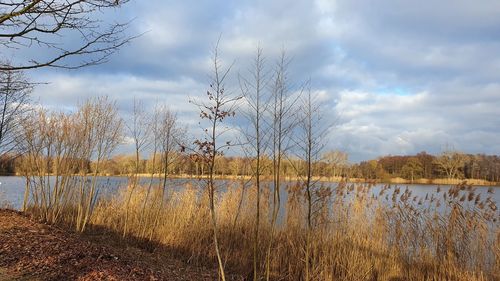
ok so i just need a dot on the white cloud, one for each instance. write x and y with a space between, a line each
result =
72 89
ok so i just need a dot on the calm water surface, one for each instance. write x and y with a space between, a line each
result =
12 190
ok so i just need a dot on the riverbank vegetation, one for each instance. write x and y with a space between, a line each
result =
261 226
354 235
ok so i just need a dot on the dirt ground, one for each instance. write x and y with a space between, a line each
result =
30 250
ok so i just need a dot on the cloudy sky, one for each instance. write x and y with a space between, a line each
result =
402 76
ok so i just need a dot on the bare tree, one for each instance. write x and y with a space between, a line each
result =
52 148
155 143
51 26
37 138
254 93
140 132
169 135
101 131
336 161
450 162
282 124
15 90
310 141
59 148
218 106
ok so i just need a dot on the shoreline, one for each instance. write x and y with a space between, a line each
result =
397 180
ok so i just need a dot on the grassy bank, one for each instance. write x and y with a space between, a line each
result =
354 235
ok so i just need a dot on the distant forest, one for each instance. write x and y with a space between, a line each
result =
423 165
334 164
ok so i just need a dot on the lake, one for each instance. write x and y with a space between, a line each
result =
12 190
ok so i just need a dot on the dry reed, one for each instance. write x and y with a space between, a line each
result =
357 234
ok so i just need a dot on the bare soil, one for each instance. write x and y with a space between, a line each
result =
30 250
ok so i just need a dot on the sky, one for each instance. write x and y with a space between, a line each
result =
398 77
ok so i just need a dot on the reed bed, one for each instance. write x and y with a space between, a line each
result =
357 233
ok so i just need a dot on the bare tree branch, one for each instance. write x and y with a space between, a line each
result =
45 25
15 90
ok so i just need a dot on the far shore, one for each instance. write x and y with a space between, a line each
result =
397 180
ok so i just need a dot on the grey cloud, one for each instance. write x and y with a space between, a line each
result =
402 76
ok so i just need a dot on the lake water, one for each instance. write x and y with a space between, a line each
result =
12 190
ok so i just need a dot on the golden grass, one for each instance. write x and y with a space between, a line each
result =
355 236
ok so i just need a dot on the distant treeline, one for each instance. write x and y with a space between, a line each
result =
451 165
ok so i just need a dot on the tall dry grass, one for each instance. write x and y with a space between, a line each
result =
356 234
